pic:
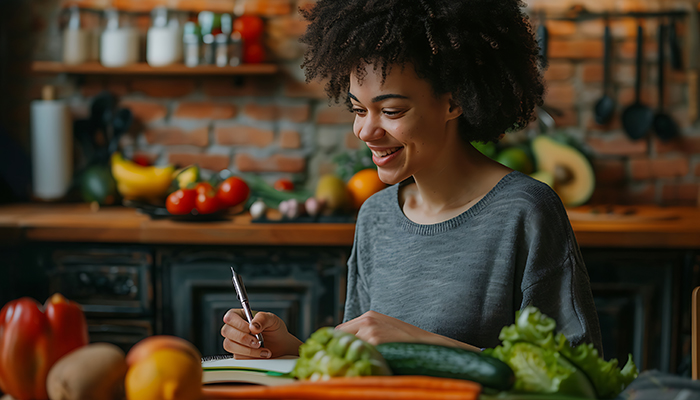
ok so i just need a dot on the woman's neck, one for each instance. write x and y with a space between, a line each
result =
457 181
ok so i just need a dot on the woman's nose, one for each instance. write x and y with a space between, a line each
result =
369 129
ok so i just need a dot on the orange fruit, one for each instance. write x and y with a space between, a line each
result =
364 184
165 374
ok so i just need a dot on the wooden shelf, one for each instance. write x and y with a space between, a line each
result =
145 6
95 68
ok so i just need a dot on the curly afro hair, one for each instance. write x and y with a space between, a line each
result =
482 51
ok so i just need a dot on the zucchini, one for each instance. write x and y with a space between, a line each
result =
447 362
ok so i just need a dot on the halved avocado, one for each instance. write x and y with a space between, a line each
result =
186 176
574 179
544 177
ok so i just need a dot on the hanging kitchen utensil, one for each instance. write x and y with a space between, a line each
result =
637 117
693 64
122 122
101 119
674 47
605 106
543 39
664 126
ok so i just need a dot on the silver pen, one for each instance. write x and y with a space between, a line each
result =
243 297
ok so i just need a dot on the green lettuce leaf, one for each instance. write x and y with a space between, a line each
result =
542 370
546 363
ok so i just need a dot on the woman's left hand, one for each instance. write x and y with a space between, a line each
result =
376 328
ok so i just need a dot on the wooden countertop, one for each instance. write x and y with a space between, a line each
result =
633 227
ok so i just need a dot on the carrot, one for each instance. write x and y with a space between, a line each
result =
309 392
366 388
402 381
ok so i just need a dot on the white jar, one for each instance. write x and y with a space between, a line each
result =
162 40
76 40
119 45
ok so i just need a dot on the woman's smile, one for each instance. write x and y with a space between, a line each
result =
383 156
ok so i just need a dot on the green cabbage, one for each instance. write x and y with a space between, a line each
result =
330 353
546 363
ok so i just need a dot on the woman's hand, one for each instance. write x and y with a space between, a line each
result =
376 328
239 335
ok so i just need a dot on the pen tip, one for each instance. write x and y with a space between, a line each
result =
233 271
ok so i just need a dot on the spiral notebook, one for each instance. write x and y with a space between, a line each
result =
268 372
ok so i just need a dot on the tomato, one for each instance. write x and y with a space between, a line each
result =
284 185
207 203
142 160
250 27
181 201
203 187
232 191
253 53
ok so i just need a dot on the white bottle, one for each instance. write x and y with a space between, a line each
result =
119 45
76 40
163 40
52 147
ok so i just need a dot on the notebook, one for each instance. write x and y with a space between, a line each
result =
268 372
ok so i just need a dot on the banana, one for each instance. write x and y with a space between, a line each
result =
136 181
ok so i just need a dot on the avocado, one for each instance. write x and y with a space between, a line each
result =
544 177
515 158
98 185
186 176
488 149
574 179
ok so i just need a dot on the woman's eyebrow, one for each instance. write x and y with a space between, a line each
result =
380 97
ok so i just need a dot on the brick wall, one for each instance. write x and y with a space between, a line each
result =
628 171
279 126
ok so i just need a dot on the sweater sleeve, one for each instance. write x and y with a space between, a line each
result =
555 278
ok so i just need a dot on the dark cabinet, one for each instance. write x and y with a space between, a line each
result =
640 299
114 285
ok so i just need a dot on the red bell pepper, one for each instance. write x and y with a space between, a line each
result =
32 339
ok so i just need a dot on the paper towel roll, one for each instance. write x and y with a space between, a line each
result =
52 149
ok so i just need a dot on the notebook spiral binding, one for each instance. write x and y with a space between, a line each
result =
217 357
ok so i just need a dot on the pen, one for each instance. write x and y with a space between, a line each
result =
243 297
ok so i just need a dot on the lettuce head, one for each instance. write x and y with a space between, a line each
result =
546 363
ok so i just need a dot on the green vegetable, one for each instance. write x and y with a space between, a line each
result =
546 363
260 189
97 184
447 362
331 353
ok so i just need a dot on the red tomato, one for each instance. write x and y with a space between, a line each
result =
181 201
142 160
204 187
232 191
250 27
284 185
207 203
253 53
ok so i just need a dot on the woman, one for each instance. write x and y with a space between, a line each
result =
459 242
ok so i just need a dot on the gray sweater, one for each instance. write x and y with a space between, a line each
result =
465 278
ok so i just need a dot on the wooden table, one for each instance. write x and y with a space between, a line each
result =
618 226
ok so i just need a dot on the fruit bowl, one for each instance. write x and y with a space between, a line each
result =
160 212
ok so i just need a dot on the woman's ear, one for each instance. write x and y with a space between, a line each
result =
455 110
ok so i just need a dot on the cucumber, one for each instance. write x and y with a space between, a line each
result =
447 362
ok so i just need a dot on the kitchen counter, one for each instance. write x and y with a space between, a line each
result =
618 226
